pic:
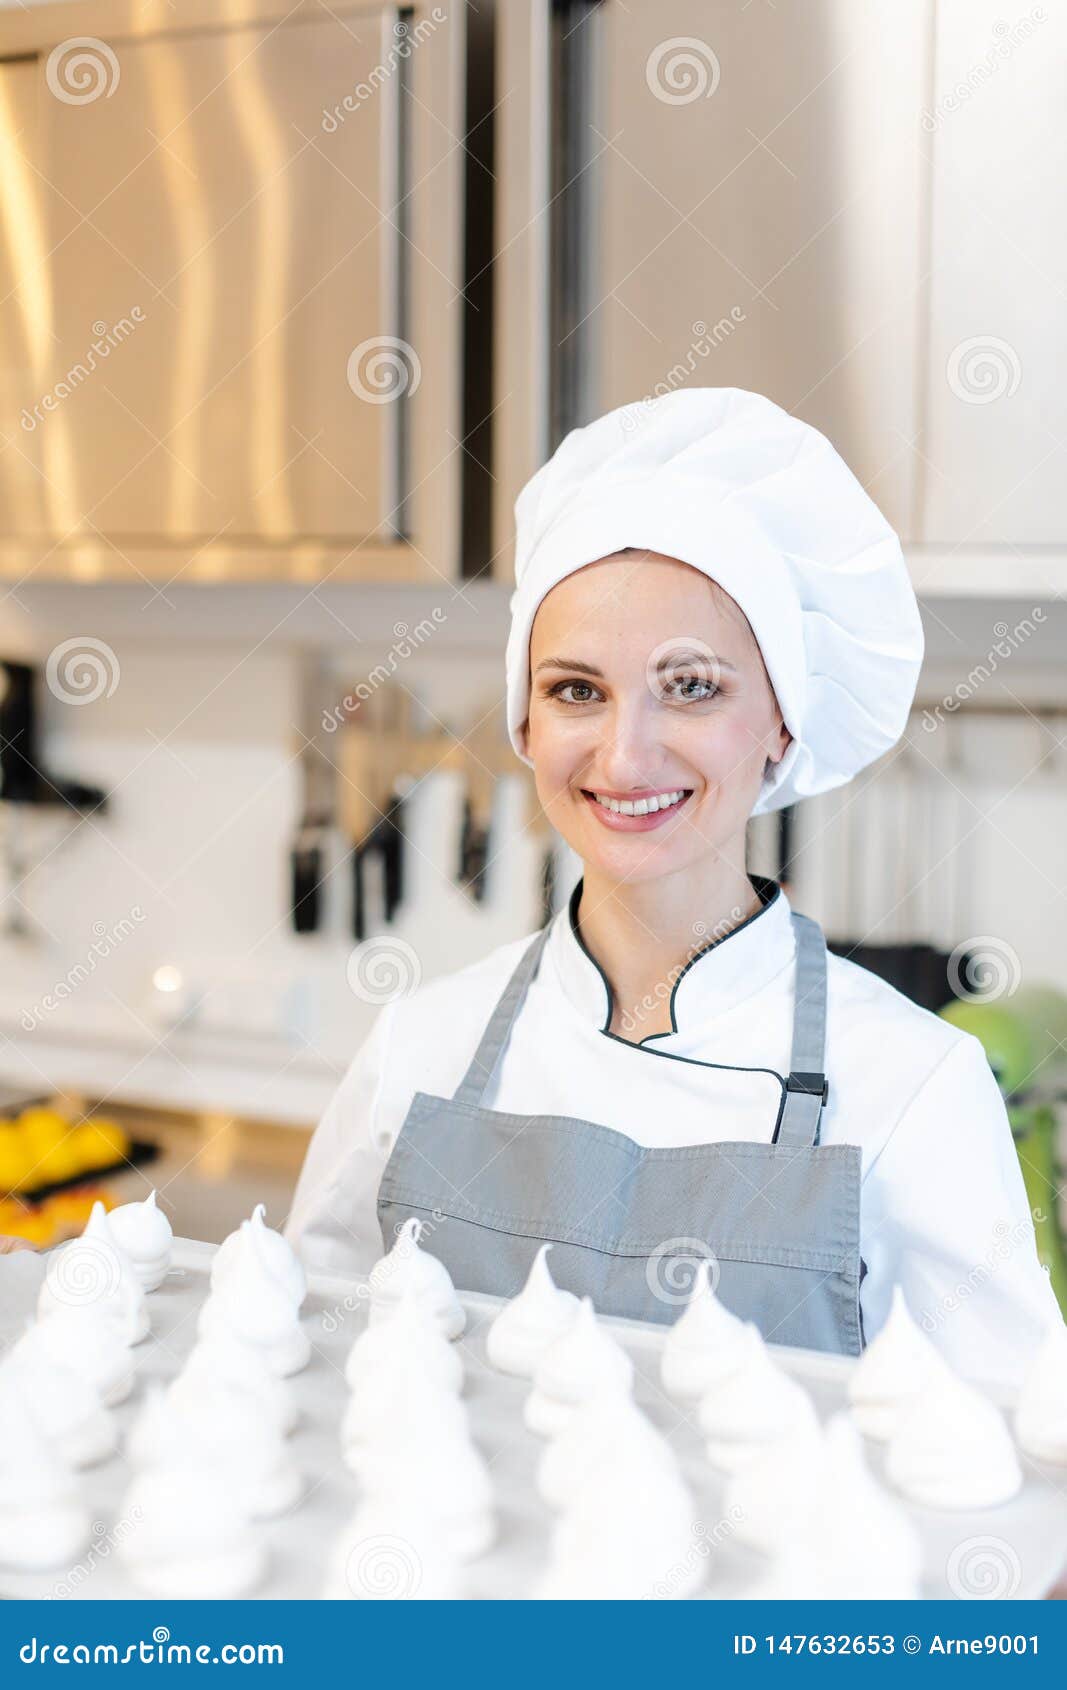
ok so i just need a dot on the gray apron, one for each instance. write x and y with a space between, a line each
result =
781 1219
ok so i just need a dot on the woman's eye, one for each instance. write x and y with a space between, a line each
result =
689 688
584 687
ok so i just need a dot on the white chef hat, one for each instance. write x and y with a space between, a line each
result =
730 483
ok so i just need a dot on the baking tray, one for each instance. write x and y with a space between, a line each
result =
1023 1543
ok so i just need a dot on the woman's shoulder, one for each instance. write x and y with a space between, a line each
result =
861 1001
476 985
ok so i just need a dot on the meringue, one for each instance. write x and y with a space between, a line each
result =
251 1305
143 1231
65 1406
607 1431
1041 1412
254 1238
753 1407
242 1369
865 1542
91 1272
626 1541
188 1536
408 1333
583 1361
892 1368
525 1326
771 1497
408 1267
950 1448
204 1426
704 1344
43 1522
398 1404
448 1477
392 1549
87 1341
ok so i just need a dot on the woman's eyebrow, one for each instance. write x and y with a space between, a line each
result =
569 663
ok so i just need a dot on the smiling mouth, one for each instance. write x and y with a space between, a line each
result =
649 805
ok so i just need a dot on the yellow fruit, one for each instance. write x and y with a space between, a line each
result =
14 1160
101 1142
50 1149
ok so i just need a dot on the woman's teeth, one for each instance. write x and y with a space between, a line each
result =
640 806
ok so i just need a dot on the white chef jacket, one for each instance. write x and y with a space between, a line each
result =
944 1212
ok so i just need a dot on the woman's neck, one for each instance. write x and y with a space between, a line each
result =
643 935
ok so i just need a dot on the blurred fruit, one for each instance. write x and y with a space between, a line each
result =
51 1152
14 1158
100 1143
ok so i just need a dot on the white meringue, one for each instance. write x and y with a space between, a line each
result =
392 1549
583 1361
251 1305
752 1407
398 1405
525 1326
43 1522
92 1272
892 1368
66 1407
448 1477
143 1231
703 1345
866 1544
951 1448
242 1368
606 1431
407 1333
88 1341
269 1249
1041 1412
770 1498
205 1426
405 1267
626 1540
188 1535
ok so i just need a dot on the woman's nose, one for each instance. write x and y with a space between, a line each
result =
631 747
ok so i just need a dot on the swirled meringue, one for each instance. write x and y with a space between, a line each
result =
950 1447
450 1479
392 1548
143 1231
251 1305
92 1272
1041 1412
43 1522
202 1425
703 1345
583 1361
607 1431
242 1368
272 1253
87 1341
397 1405
525 1326
188 1535
407 1267
770 1498
893 1367
66 1407
407 1333
752 1407
626 1541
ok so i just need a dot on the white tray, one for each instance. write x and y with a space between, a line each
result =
1027 1535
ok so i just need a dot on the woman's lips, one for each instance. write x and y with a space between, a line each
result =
617 823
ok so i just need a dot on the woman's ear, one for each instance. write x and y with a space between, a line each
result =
783 739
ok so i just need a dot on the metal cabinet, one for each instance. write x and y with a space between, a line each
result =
232 266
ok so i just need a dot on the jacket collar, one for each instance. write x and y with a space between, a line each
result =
718 976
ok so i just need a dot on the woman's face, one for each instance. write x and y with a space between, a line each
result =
646 681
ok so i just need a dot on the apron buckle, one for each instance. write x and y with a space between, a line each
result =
812 1085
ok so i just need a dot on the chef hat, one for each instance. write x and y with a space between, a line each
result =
730 483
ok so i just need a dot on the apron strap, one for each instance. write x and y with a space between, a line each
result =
472 1087
806 1088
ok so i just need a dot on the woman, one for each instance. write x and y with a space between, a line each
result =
711 619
